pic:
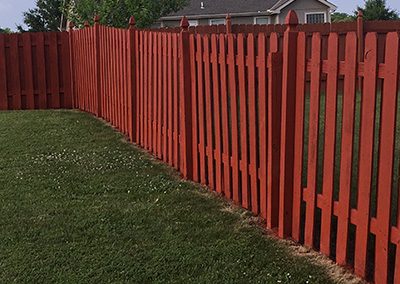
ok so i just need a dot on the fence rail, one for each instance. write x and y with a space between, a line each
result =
298 123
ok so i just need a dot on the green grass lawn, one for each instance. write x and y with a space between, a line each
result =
78 205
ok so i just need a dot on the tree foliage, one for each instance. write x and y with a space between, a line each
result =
342 17
46 16
117 12
5 30
377 10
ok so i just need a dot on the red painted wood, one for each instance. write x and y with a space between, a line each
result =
149 94
118 85
146 91
138 84
120 88
195 123
28 68
170 100
81 67
159 95
15 80
54 78
262 119
165 98
107 91
86 102
216 97
84 60
3 75
299 135
98 89
209 113
125 81
200 80
142 87
274 106
131 85
154 93
235 119
347 148
367 135
175 100
185 105
386 157
287 130
330 142
243 122
252 109
315 92
74 70
226 182
109 74
66 67
101 70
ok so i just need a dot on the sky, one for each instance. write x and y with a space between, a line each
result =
11 10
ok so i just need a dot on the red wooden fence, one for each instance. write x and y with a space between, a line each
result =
272 120
34 71
297 123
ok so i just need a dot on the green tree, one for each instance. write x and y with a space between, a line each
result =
117 12
341 17
377 10
5 30
46 16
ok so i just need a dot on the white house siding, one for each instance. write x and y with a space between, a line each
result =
302 7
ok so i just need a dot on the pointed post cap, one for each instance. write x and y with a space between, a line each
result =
86 24
184 23
360 14
96 19
71 26
292 19
132 22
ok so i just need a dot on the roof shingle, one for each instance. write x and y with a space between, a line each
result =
225 7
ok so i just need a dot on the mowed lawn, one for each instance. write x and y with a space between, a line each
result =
80 205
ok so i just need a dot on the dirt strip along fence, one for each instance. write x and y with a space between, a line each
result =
35 71
297 123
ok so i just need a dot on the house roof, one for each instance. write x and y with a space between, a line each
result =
233 7
279 5
212 7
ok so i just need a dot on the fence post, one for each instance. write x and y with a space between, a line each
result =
99 112
71 26
185 101
132 81
274 131
288 125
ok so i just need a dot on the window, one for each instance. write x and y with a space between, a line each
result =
315 18
262 20
217 22
193 23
